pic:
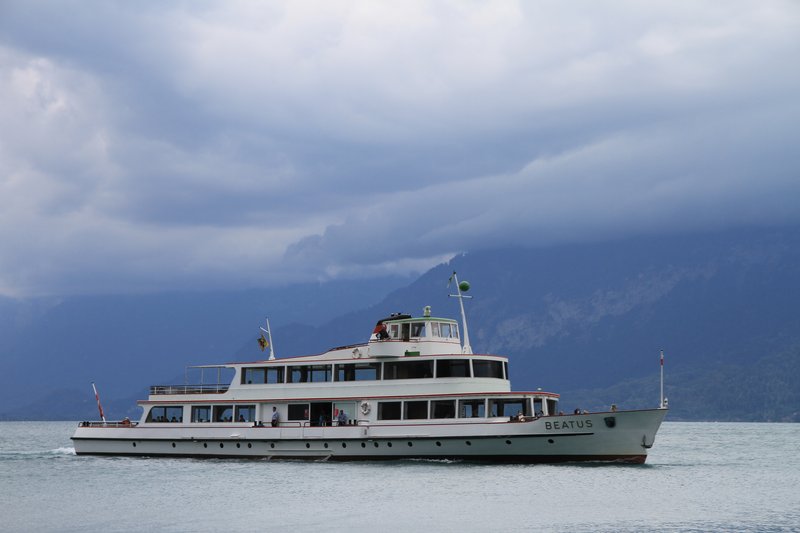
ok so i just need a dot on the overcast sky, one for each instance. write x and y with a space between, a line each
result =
184 145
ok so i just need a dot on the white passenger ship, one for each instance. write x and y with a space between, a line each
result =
412 391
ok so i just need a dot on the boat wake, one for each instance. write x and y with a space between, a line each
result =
63 451
26 454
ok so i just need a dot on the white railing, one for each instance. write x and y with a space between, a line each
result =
217 388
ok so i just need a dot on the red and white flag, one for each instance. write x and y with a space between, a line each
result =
99 407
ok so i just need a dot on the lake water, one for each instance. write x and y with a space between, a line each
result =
698 477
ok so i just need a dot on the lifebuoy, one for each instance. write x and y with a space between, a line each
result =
365 407
356 353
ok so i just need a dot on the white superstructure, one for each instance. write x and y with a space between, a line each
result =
411 391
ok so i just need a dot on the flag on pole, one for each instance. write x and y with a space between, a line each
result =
262 342
99 407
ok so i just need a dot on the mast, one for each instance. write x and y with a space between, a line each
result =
271 349
269 335
466 349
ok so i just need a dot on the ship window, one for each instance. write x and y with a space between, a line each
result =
509 407
275 375
551 407
320 373
297 374
408 370
358 372
175 414
434 329
389 410
538 410
418 329
505 370
253 375
201 413
309 373
394 331
443 409
245 413
452 368
415 410
487 369
157 414
165 413
405 331
447 330
472 408
223 413
344 373
298 411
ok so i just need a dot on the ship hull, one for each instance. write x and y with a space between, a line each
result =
622 437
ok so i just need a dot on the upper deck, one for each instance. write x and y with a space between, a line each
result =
404 355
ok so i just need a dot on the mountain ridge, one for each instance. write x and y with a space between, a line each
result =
574 318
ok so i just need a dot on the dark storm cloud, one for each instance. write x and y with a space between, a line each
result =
225 144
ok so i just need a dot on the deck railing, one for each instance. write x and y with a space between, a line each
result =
217 388
98 424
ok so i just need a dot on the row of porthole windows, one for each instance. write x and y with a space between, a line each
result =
221 445
344 444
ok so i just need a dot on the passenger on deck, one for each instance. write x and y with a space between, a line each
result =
380 332
341 418
275 416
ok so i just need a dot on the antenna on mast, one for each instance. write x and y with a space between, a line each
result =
264 342
462 287
664 401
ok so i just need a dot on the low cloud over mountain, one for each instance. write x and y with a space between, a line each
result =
232 145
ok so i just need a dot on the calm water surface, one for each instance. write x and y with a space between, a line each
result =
699 477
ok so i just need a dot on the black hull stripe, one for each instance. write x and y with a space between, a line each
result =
518 459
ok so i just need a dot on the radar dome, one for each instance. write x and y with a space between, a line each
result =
463 286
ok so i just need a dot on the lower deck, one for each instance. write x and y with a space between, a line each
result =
621 436
323 412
